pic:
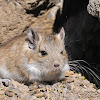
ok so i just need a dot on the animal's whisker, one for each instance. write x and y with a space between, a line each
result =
72 68
76 64
21 81
92 74
75 67
78 61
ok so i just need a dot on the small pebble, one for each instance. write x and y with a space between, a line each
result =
8 93
91 90
79 84
69 73
69 87
1 86
27 97
8 1
1 92
39 95
33 87
17 92
82 77
33 98
11 87
98 91
66 81
14 98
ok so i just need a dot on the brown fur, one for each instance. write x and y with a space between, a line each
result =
16 54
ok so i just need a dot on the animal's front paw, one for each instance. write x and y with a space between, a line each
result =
5 82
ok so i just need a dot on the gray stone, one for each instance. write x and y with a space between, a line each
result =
94 8
1 86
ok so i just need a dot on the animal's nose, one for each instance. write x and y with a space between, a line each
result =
56 65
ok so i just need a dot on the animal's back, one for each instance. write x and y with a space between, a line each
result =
10 57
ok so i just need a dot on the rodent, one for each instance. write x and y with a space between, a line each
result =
34 57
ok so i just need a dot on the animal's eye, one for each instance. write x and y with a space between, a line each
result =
61 52
43 53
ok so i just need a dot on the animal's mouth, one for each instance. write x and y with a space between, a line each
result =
51 75
54 72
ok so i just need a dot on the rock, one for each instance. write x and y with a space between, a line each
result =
33 98
42 12
83 90
55 2
68 80
94 8
77 75
54 10
33 87
30 1
8 1
20 87
72 97
1 92
1 86
8 93
91 89
56 84
17 92
11 87
72 86
3 97
14 98
69 87
82 77
86 82
64 92
42 98
98 91
39 95
27 97
69 73
6 82
20 98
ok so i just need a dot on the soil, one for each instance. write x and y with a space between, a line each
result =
73 87
16 16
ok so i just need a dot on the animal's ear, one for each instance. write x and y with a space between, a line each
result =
61 34
33 38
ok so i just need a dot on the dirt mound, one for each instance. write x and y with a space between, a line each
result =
16 17
74 87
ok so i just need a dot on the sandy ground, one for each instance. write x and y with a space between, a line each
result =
73 87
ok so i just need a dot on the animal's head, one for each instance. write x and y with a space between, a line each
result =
47 54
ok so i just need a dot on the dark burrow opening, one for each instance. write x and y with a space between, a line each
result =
82 37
